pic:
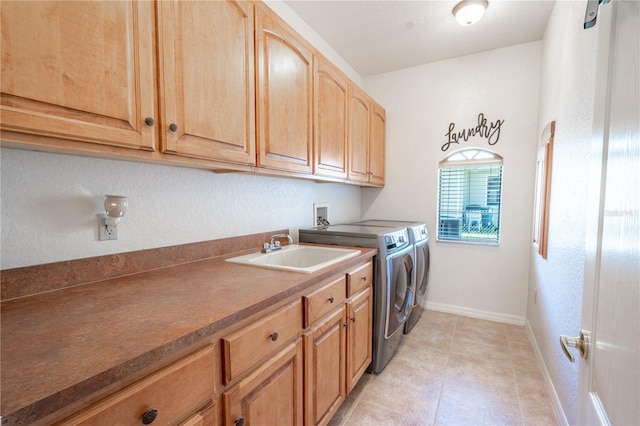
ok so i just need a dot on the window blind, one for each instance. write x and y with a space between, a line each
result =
469 203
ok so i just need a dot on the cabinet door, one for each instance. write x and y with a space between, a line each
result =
330 120
359 338
272 395
324 347
377 145
81 71
284 95
207 80
359 111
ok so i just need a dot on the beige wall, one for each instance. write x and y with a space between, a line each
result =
478 280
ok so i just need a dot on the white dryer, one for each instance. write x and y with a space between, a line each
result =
419 237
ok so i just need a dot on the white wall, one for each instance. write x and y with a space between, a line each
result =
420 102
50 202
567 96
301 26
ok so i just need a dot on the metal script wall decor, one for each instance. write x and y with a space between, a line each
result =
489 131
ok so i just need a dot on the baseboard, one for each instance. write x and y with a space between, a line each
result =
551 390
475 313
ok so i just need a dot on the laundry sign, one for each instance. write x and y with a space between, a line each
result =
489 130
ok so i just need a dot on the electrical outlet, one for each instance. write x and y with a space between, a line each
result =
107 232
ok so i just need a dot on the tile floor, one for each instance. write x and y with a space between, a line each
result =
454 370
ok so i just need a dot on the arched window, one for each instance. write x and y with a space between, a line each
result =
470 196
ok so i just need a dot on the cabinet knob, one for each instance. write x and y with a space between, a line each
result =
345 325
353 319
173 127
331 299
240 421
274 337
149 121
149 416
363 278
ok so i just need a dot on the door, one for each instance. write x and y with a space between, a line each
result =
206 73
609 385
80 71
400 290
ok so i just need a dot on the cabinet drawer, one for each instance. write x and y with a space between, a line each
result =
359 278
175 392
244 348
323 300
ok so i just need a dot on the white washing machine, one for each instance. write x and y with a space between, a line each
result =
393 285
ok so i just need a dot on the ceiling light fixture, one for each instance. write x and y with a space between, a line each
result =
468 12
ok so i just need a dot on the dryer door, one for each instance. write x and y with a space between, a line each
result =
422 270
400 290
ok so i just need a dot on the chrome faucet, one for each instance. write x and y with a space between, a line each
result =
287 236
275 244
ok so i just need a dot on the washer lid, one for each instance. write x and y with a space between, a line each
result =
355 230
417 230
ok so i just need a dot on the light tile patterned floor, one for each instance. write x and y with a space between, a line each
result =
454 370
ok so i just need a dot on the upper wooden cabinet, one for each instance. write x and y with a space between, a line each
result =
377 142
207 80
210 84
284 63
81 71
367 130
330 125
359 114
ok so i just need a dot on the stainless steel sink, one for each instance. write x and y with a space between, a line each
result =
297 258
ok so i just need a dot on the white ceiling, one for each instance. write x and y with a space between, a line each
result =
382 36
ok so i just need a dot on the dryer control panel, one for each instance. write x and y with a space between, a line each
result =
396 240
420 233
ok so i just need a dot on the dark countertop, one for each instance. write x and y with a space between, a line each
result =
61 346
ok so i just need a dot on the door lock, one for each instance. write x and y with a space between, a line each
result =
581 343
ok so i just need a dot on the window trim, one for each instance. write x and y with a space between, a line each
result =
542 198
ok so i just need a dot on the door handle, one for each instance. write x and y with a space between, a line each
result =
592 12
581 343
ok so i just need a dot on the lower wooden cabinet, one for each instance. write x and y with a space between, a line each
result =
243 349
338 346
180 393
271 395
325 366
359 336
292 366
